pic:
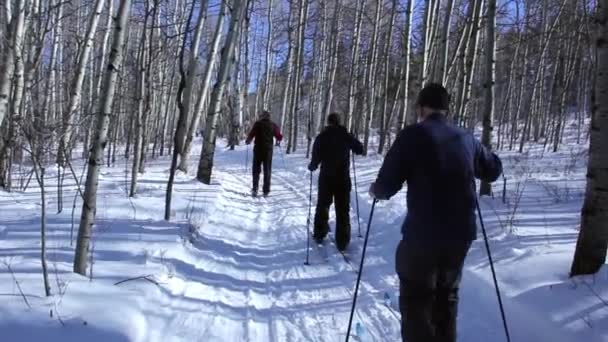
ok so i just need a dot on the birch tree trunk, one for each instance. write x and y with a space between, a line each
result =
298 67
442 73
6 67
76 88
469 62
89 205
186 100
489 89
138 129
333 61
204 91
386 53
590 254
427 40
269 62
405 70
17 43
290 62
371 79
354 65
205 166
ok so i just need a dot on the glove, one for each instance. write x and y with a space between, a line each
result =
248 142
311 168
278 144
372 192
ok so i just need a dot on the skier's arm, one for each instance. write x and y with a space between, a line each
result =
395 168
488 167
251 135
277 133
316 155
355 145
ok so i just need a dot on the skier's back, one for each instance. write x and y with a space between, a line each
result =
263 132
439 162
332 151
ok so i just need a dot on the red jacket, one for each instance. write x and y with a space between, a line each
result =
263 131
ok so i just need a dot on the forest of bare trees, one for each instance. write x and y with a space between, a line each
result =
106 80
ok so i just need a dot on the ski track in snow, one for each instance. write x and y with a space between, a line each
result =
231 267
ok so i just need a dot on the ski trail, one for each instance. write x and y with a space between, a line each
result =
369 311
244 275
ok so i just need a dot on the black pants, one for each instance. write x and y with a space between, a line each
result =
429 281
332 191
262 158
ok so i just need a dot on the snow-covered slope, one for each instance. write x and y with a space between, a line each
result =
229 267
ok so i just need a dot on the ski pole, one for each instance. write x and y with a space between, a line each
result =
308 222
352 310
485 238
356 195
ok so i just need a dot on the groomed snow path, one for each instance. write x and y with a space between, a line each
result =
229 267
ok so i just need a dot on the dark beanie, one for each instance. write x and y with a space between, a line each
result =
434 96
333 119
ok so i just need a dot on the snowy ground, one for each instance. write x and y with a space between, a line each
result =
231 268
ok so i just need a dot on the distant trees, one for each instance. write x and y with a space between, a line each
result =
522 70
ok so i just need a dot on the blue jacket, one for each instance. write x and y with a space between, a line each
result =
439 162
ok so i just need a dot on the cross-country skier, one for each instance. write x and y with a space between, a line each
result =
263 131
332 150
439 162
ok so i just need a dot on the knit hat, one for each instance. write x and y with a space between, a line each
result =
333 119
434 96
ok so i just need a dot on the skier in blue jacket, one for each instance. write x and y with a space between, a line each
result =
439 162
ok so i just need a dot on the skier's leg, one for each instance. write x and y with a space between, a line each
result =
342 206
446 296
417 276
256 169
267 172
324 200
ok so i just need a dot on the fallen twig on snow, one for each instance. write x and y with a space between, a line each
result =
146 277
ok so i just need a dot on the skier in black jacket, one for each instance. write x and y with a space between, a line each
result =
332 150
263 132
439 162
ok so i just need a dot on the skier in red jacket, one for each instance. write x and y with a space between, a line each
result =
262 133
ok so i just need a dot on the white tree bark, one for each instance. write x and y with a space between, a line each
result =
205 166
354 65
386 55
206 84
371 79
590 254
269 62
405 70
89 205
7 66
182 130
18 82
333 60
444 44
76 87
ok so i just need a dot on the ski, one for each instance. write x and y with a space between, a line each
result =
345 255
321 249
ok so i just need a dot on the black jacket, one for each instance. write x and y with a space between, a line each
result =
332 151
439 162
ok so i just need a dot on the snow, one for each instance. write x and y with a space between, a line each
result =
229 267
